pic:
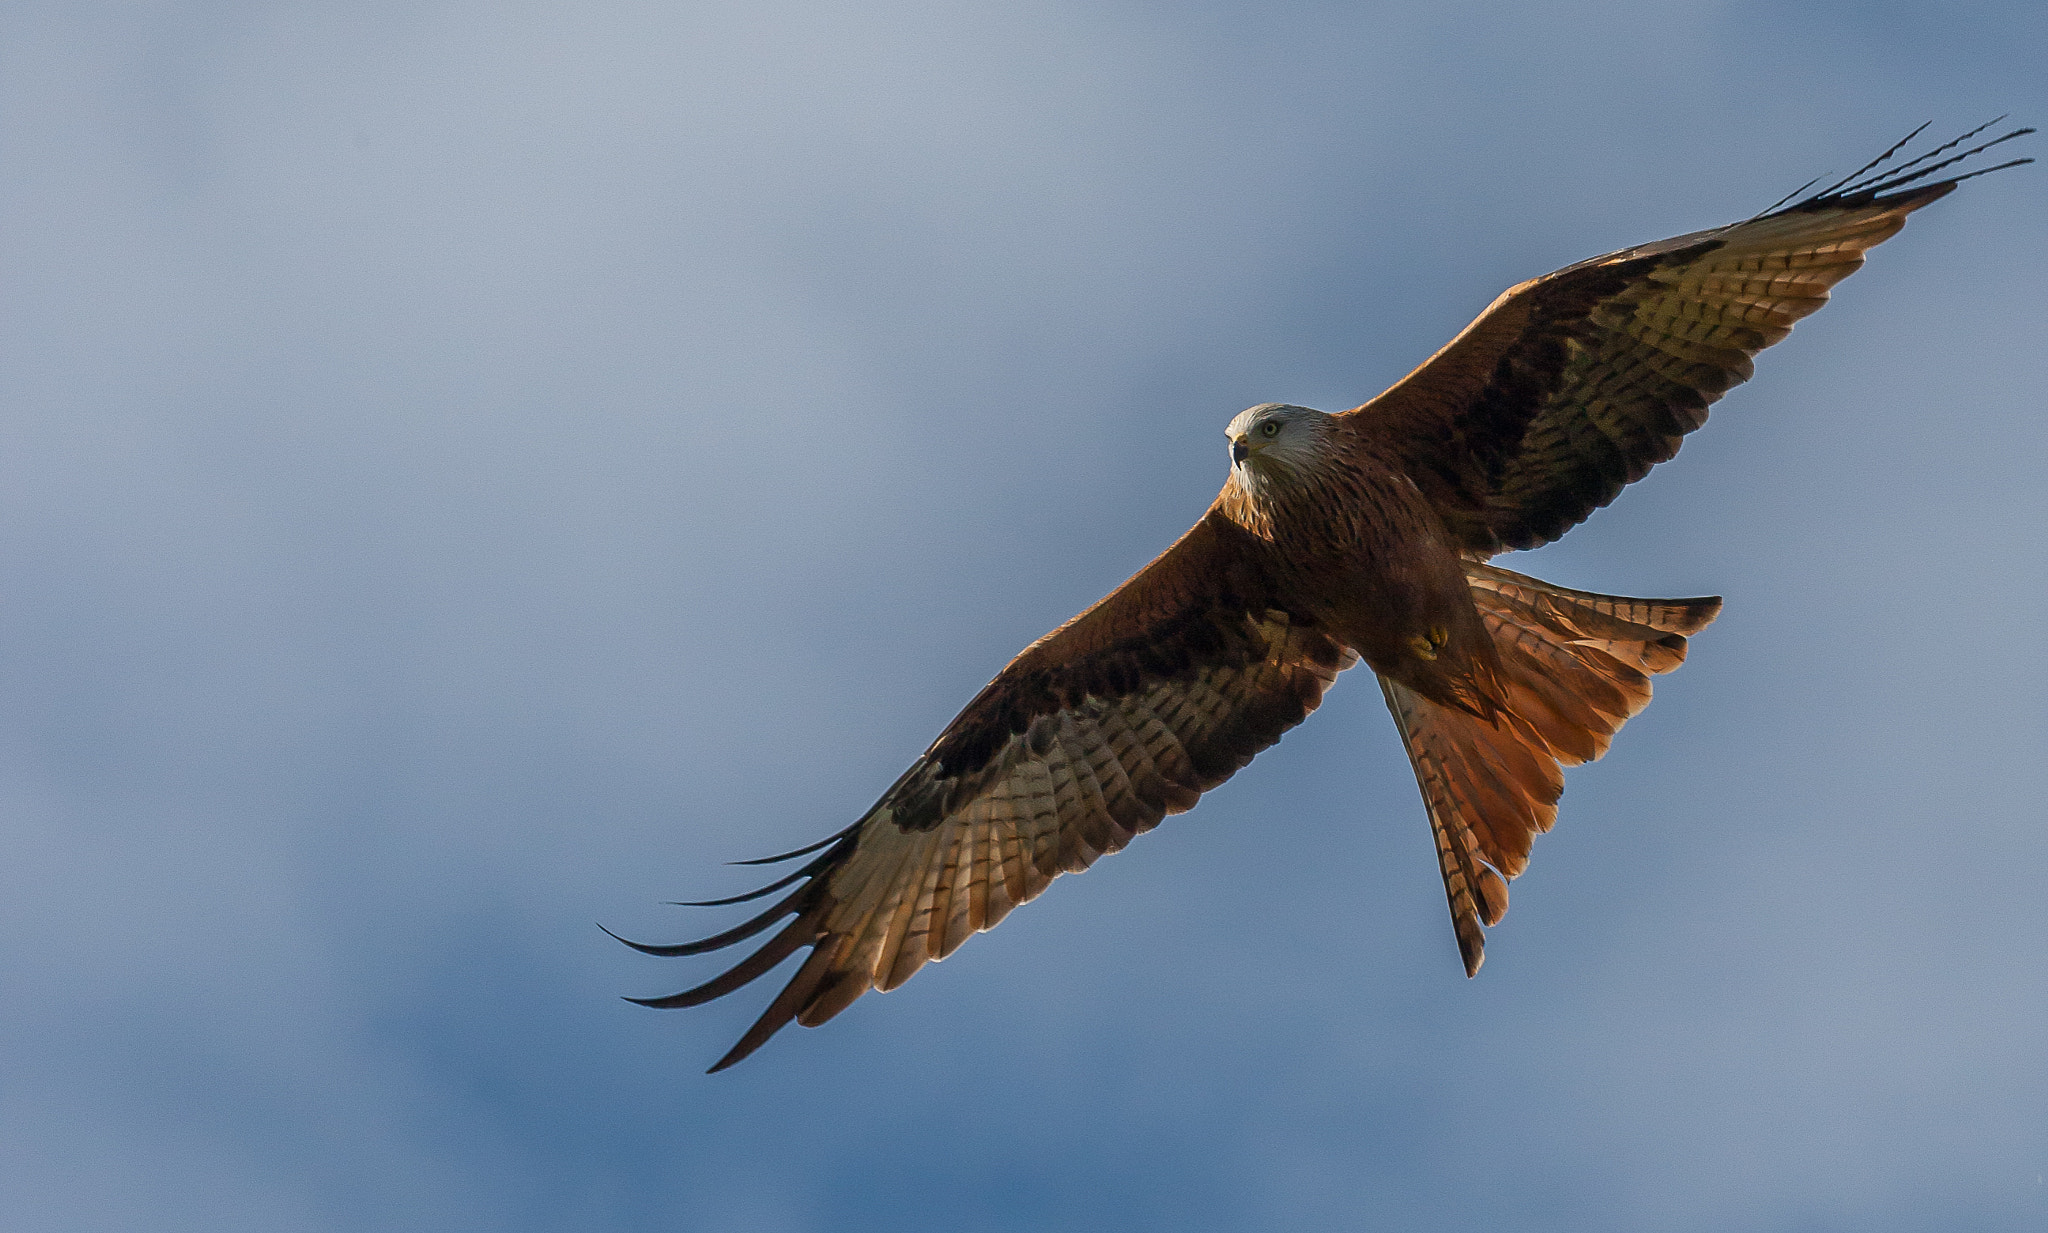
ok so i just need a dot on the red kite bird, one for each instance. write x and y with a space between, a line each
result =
1363 535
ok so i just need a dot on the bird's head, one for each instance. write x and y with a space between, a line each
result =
1274 437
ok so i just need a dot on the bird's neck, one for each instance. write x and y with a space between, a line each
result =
1294 502
1248 501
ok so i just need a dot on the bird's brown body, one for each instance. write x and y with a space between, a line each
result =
1363 535
1355 548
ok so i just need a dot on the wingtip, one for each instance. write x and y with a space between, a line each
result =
642 947
806 850
756 1037
660 952
1889 187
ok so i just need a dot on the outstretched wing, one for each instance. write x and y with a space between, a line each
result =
1125 714
1572 385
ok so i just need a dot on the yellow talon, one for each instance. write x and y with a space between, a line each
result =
1428 643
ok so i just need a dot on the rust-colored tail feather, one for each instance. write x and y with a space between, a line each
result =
1575 666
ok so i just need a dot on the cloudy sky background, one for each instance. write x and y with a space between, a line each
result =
470 469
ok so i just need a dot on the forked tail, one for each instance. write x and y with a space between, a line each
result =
1575 667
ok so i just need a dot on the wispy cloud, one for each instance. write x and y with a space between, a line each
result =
470 469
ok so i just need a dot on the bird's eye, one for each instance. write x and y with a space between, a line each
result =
1271 428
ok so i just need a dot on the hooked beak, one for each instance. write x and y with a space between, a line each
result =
1240 449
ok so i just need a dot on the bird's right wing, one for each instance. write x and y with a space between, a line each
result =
1125 714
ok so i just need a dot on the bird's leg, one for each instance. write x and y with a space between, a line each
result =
1427 643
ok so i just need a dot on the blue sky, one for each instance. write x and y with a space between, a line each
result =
471 469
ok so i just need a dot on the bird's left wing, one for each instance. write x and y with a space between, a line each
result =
1123 715
1570 386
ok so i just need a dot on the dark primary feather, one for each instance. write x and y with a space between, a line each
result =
1849 188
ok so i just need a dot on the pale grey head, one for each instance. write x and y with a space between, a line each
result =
1275 436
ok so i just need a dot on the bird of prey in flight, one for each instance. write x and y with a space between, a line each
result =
1362 535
